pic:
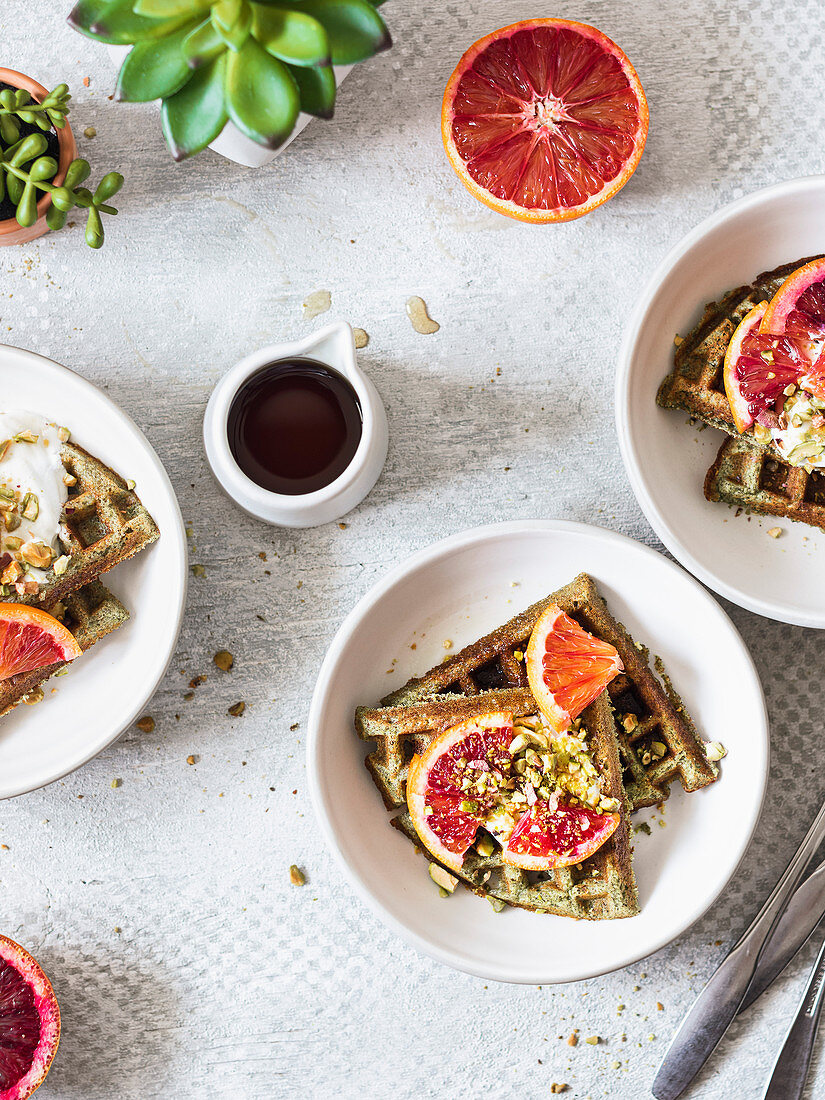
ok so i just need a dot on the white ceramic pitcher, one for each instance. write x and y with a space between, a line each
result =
334 346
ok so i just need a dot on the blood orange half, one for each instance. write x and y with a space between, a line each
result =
544 120
29 1022
759 366
30 639
567 667
466 780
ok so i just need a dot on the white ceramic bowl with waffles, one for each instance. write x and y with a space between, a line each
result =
666 458
459 589
107 687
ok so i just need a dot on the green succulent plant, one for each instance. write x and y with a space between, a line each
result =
256 62
26 170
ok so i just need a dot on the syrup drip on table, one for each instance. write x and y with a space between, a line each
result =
295 426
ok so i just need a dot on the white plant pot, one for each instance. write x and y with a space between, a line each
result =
233 144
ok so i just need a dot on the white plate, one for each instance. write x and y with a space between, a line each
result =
107 688
666 459
461 588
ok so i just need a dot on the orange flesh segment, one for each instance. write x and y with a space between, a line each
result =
545 118
32 639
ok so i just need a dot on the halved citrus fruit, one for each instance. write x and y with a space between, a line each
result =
29 1022
567 667
544 120
759 366
30 639
466 780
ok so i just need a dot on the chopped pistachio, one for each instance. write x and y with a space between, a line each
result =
116 783
4 448
64 435
237 709
31 507
468 806
198 571
146 724
25 437
485 847
224 660
630 722
497 904
297 876
69 480
658 749
593 1040
5 492
37 554
715 750
34 696
11 521
775 532
442 878
60 566
13 543
130 483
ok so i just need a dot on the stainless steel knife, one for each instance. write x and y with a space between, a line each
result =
794 928
790 1070
718 1003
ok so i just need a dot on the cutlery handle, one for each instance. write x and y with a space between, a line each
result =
791 1069
717 1004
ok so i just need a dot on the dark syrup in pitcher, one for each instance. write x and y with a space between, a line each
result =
294 426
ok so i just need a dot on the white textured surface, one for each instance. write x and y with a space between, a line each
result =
224 979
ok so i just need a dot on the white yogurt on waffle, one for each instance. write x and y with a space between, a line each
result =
34 468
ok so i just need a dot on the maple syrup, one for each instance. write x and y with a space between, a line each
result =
294 426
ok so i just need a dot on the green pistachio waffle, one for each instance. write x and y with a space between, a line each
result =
103 523
658 742
695 384
750 477
601 887
90 613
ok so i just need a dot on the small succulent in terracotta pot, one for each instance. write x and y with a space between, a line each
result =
41 176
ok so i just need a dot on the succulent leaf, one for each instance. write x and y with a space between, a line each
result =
27 206
44 168
232 21
76 173
167 9
34 145
356 31
317 89
94 228
9 130
56 216
154 69
203 44
196 114
108 186
261 95
291 36
115 22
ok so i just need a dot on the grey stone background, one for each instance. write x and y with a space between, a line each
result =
223 979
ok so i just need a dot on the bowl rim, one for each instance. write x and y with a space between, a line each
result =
314 748
625 366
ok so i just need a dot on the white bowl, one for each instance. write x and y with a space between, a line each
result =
108 687
459 589
333 345
666 459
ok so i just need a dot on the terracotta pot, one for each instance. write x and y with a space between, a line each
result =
10 231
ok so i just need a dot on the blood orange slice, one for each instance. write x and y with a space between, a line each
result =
564 834
798 307
467 778
544 120
30 639
759 366
567 667
797 311
29 1022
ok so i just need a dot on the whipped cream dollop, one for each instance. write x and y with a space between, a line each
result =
33 484
800 436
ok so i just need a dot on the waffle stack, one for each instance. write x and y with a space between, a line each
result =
745 473
637 723
103 523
